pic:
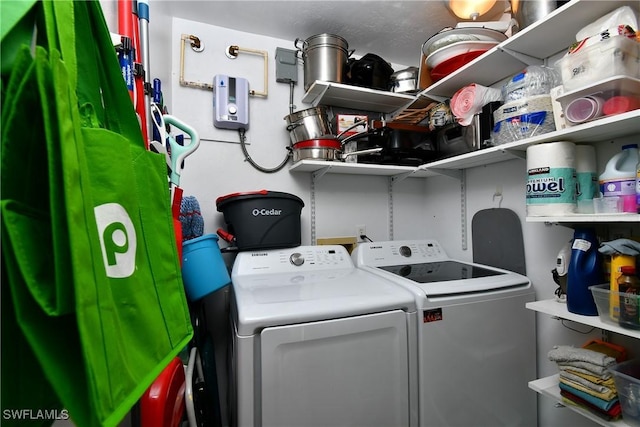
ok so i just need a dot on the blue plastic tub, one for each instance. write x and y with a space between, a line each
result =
203 268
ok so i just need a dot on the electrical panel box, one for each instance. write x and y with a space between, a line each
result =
286 65
230 102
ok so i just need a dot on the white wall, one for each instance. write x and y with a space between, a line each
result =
421 207
218 167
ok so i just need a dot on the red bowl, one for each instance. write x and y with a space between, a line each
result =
447 67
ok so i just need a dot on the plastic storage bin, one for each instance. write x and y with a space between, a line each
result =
616 56
626 376
602 296
613 95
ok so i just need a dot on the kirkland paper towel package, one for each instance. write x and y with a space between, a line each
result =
586 178
551 179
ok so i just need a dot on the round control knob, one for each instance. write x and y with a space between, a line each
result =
232 109
296 259
405 251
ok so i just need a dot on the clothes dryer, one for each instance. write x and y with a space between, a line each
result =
476 339
318 342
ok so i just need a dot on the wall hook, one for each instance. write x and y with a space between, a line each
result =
498 195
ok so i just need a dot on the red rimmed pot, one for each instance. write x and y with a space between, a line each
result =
324 149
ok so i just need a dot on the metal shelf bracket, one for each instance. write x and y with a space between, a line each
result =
402 176
516 153
320 173
453 173
527 59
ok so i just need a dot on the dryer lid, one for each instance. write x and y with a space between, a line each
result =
269 289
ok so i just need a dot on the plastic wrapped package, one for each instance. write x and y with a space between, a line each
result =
533 80
623 15
523 118
598 58
469 100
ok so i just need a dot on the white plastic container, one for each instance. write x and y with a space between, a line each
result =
619 177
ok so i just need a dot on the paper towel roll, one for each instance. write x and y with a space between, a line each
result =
551 179
586 178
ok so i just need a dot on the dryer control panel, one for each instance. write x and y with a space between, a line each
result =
301 258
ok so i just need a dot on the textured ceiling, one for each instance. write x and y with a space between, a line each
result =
394 30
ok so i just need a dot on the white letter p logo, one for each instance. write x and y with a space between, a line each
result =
117 240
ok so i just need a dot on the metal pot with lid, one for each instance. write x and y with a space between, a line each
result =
405 81
325 58
311 123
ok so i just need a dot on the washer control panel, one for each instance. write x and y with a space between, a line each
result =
377 254
296 259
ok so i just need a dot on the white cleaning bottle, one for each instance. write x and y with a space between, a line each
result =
619 177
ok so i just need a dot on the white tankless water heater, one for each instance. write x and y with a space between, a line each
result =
230 102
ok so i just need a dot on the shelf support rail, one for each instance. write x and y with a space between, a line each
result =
390 204
463 209
315 176
312 197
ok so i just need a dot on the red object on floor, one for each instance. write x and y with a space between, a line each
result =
162 405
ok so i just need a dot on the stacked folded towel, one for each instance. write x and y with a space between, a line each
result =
586 381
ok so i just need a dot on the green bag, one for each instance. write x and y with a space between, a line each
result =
88 242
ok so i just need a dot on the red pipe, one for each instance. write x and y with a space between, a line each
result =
125 18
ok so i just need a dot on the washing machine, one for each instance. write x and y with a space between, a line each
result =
318 342
476 339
